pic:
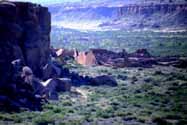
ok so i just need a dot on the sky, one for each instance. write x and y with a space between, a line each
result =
48 1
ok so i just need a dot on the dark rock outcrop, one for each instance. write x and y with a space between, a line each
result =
24 30
103 80
53 86
51 70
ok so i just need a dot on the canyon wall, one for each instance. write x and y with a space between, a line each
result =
147 15
24 34
24 41
151 9
112 12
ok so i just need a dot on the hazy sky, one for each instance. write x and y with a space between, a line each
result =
48 1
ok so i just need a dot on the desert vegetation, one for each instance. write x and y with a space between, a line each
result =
143 96
157 43
41 86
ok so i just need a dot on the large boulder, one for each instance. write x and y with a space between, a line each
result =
64 54
55 85
51 70
27 75
103 80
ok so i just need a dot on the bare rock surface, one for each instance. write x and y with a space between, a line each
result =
24 41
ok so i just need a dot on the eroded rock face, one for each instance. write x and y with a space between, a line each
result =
151 8
24 36
25 29
152 16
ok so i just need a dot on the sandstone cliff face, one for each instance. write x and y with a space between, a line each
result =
151 9
24 34
160 16
126 16
112 12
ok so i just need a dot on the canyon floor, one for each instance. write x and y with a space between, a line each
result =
144 96
154 95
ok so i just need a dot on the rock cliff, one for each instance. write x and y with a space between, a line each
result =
24 35
151 9
147 15
150 16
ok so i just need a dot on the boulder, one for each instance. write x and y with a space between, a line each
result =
38 88
53 86
64 85
51 70
103 80
78 80
27 75
64 53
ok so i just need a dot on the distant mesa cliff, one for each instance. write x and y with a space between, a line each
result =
126 16
151 16
151 9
